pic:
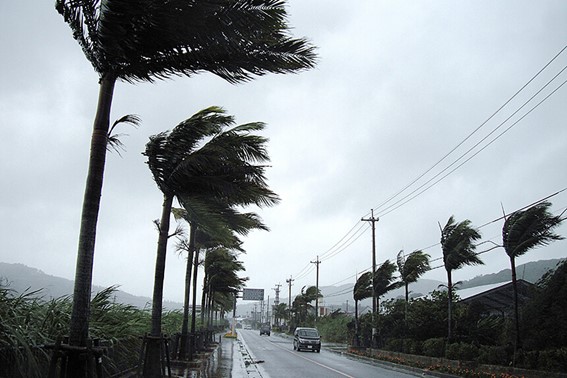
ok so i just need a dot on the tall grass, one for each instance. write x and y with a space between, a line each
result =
29 322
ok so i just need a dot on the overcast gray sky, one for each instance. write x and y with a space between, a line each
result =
398 86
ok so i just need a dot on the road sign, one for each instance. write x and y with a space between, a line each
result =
253 294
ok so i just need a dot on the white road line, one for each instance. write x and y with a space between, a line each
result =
313 361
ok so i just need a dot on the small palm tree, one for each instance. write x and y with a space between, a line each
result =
384 280
362 290
457 243
524 230
137 41
412 267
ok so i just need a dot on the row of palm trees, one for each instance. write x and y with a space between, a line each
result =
136 41
523 230
211 169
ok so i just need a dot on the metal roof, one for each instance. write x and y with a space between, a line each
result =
497 298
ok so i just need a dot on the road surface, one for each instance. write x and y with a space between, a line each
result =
274 357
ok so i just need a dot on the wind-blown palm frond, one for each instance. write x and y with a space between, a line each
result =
457 242
114 142
363 287
141 40
412 266
384 280
527 229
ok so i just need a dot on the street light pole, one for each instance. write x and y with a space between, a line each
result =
373 221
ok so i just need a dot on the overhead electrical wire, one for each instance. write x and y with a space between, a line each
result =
393 207
357 230
474 131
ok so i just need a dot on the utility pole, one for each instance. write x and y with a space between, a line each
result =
268 320
373 221
276 301
317 262
289 281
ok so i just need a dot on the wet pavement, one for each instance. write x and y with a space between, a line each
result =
228 358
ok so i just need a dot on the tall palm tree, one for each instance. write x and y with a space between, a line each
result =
362 290
223 168
524 230
137 41
457 243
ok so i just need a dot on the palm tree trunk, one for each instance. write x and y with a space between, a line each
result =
157 299
449 305
516 311
188 272
194 302
79 323
204 298
356 325
152 364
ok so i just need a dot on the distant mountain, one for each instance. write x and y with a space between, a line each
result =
530 272
22 278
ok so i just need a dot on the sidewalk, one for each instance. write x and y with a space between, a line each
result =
229 359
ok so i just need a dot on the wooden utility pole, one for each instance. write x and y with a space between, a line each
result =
317 262
373 221
289 281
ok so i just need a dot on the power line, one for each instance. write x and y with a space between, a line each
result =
394 207
475 130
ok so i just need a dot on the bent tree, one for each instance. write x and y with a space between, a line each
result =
362 290
201 162
146 40
457 243
524 230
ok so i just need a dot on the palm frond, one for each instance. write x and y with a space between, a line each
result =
113 140
144 40
530 228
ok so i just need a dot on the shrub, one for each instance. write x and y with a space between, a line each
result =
553 360
434 347
462 352
493 355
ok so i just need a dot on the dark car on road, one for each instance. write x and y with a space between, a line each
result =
307 339
265 329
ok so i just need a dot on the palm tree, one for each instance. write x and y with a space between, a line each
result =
411 268
362 290
221 169
137 41
240 223
457 243
384 280
221 268
280 312
302 303
524 230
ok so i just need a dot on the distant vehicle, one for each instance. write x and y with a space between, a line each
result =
265 329
306 338
247 326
